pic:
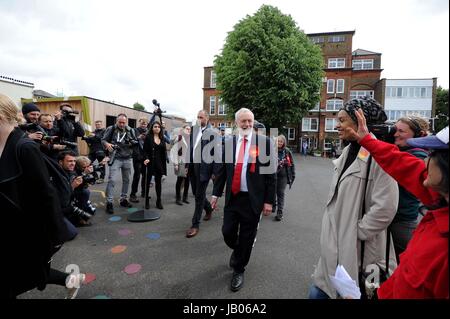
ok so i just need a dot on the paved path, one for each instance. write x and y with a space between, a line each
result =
173 266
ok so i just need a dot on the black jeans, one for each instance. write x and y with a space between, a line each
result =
240 225
138 170
182 181
158 177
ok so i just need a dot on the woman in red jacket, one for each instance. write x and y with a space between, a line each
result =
423 269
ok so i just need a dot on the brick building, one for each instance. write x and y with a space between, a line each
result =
348 74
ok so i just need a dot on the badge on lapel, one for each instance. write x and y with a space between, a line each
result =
253 154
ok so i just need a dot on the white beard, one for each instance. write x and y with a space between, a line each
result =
245 132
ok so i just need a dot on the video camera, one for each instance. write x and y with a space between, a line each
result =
81 213
384 132
32 128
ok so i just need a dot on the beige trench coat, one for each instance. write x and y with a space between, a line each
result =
342 227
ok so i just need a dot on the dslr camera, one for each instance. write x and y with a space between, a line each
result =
70 115
384 132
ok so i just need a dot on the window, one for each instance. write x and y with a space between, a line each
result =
334 105
336 38
291 134
330 86
310 124
316 107
212 105
360 93
221 107
132 123
110 120
318 40
340 86
394 115
222 124
330 125
362 64
336 63
213 79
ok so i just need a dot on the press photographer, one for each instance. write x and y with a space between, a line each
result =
76 215
85 170
50 139
96 151
68 126
119 140
31 114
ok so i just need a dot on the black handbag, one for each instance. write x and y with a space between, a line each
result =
367 279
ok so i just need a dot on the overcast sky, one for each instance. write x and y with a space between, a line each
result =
128 51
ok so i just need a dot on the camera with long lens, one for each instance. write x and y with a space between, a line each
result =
384 132
81 213
89 179
70 115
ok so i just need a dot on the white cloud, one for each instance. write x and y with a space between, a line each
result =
128 51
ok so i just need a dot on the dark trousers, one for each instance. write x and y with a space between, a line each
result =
199 191
240 225
281 188
138 170
158 177
182 181
99 158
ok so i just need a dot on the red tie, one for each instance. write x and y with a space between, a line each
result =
236 185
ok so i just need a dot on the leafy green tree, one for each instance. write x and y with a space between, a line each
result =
271 67
138 106
441 109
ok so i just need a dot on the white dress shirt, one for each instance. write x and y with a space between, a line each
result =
240 140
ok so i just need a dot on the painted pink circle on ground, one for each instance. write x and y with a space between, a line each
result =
125 232
89 278
132 269
118 249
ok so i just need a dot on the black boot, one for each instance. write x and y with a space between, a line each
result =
158 204
185 200
279 216
178 201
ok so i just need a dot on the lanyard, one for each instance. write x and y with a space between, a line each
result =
120 139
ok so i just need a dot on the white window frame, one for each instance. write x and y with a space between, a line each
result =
212 105
340 89
213 79
318 40
335 106
361 93
221 108
336 38
330 81
291 134
306 124
333 121
316 107
362 64
336 63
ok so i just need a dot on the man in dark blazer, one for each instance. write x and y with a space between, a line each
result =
250 176
201 168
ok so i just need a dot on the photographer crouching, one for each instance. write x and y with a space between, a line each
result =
96 151
88 174
119 141
68 126
72 210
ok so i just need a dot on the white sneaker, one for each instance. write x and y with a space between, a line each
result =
73 284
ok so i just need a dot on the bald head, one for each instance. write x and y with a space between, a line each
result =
202 118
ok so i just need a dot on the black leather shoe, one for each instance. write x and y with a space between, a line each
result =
109 208
125 203
185 201
237 281
159 205
279 216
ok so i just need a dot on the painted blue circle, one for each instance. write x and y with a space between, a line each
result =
153 236
115 219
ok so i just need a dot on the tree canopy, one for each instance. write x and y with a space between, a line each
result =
138 106
270 66
441 109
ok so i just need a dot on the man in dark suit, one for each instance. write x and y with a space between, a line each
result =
201 168
250 176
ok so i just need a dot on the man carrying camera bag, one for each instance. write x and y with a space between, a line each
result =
119 141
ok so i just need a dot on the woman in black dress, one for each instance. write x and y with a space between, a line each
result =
155 160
